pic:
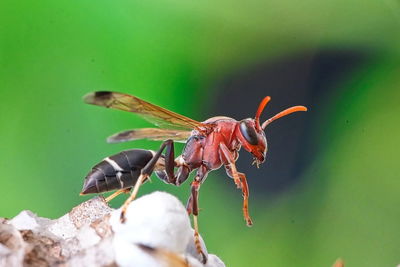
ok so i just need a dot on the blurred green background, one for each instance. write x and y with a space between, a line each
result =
175 54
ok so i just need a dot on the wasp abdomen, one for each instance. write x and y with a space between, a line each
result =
116 172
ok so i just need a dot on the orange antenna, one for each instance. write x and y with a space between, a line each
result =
283 113
260 109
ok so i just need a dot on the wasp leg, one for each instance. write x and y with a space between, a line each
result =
182 174
189 205
232 172
245 191
228 155
170 163
193 200
138 183
240 181
144 175
116 193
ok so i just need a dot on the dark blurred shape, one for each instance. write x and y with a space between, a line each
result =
308 79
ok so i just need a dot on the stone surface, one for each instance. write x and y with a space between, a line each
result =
157 232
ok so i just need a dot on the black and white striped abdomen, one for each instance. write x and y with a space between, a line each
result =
116 172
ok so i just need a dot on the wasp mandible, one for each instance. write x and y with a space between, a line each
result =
210 145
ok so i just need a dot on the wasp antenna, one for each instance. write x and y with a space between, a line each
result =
260 109
283 113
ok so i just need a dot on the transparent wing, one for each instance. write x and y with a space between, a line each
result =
149 133
161 117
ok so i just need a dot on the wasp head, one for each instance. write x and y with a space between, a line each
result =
253 140
251 133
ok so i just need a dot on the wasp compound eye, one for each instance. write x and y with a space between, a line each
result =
249 133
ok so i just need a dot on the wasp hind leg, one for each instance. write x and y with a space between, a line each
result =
117 193
145 174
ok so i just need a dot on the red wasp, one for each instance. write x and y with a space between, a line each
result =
210 145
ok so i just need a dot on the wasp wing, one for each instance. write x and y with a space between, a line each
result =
161 117
155 134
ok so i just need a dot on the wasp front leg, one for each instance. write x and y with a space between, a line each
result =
239 178
245 191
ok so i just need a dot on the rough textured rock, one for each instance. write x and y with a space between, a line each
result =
157 232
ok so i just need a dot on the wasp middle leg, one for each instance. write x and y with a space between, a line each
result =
193 207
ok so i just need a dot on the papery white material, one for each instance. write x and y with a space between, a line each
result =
157 220
25 220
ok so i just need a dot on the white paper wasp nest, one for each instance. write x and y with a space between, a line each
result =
157 232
